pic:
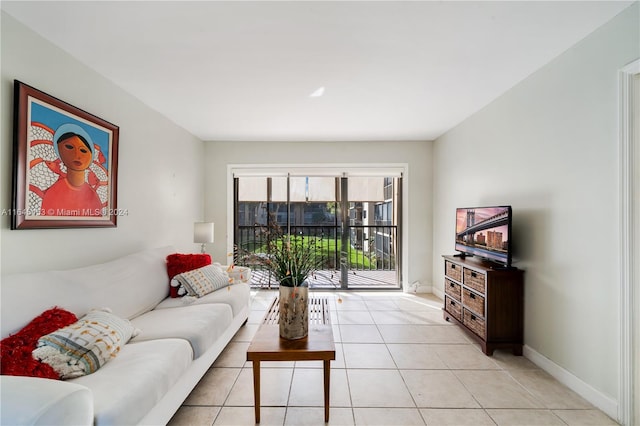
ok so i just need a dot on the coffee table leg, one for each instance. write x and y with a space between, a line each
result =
256 389
327 389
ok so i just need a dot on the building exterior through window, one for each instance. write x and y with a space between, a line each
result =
354 220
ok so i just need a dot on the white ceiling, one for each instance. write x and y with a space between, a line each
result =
245 70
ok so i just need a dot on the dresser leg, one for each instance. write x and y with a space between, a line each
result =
487 349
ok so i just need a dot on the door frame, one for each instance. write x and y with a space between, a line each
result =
629 276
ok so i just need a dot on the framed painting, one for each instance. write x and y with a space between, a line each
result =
65 164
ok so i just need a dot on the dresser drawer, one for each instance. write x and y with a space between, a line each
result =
474 322
453 289
453 271
475 280
473 301
453 307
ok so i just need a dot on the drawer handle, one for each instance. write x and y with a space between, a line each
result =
474 275
452 303
451 285
473 317
453 266
472 296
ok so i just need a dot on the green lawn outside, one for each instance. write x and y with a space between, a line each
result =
326 249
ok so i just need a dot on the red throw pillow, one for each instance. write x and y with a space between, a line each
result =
178 263
15 350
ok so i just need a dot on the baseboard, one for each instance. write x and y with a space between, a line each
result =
585 390
418 287
423 289
437 292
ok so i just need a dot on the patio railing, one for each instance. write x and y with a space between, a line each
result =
369 249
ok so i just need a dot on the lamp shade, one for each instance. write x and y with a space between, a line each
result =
203 232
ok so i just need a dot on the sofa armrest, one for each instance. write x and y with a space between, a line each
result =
36 401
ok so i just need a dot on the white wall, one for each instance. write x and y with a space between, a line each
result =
548 147
416 154
159 172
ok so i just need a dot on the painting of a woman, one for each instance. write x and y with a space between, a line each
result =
71 195
65 164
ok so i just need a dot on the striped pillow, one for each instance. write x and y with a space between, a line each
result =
86 345
203 280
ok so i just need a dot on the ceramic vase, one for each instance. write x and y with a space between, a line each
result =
294 312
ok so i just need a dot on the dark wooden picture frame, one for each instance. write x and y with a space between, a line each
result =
65 163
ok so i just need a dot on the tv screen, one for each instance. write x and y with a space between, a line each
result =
485 232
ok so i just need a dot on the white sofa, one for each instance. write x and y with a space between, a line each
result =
152 374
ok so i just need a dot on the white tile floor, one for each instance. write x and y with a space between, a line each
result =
397 363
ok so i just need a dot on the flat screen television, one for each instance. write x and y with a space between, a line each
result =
484 232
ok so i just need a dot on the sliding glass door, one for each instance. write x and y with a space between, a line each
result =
372 240
354 220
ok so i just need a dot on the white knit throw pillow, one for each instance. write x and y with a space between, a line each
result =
86 345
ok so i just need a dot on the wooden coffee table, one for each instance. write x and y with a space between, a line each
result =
317 346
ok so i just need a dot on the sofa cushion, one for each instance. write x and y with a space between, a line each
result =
177 263
83 347
126 388
37 401
15 350
200 325
130 286
237 296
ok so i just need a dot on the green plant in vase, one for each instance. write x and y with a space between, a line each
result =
291 260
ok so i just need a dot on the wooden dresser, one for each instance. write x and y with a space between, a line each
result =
486 300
